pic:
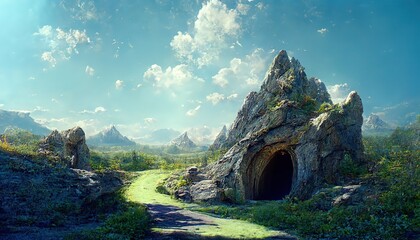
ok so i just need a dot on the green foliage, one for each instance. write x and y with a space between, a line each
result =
127 161
132 223
325 107
20 142
349 168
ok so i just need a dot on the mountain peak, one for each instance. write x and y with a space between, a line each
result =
110 137
183 142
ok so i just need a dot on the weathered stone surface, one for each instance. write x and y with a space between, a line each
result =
70 146
205 191
32 193
280 143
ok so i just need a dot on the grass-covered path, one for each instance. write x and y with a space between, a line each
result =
175 220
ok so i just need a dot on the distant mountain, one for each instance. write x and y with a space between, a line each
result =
110 137
21 120
160 136
183 142
375 125
220 139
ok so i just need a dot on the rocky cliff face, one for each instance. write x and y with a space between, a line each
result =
287 138
110 137
69 146
183 142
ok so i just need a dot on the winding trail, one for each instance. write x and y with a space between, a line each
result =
175 220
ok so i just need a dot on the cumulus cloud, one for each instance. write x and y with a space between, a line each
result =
249 69
215 98
100 109
90 70
176 76
150 120
119 84
232 96
203 135
215 24
338 92
62 45
193 112
322 31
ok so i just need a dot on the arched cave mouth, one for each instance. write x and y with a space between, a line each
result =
275 181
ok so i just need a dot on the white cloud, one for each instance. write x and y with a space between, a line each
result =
215 24
193 112
54 100
322 31
215 98
243 8
176 76
203 135
232 96
81 10
90 70
119 84
62 45
249 70
1 105
150 120
100 109
48 57
40 109
338 92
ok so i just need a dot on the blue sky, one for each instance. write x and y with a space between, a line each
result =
188 65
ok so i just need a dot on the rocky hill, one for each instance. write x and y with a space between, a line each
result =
21 120
110 137
287 139
183 142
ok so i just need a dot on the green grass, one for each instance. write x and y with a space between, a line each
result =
143 191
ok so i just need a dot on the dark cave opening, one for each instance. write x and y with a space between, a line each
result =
276 179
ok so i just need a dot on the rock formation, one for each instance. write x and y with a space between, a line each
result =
34 195
183 142
287 139
70 146
110 137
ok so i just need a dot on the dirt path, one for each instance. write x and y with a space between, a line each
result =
175 220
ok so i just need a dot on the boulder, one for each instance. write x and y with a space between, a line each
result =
287 139
69 146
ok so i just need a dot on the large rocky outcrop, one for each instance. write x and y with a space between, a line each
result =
70 146
287 139
35 196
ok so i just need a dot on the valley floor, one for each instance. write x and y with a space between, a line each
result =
176 220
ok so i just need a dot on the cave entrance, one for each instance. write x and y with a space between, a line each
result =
275 181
